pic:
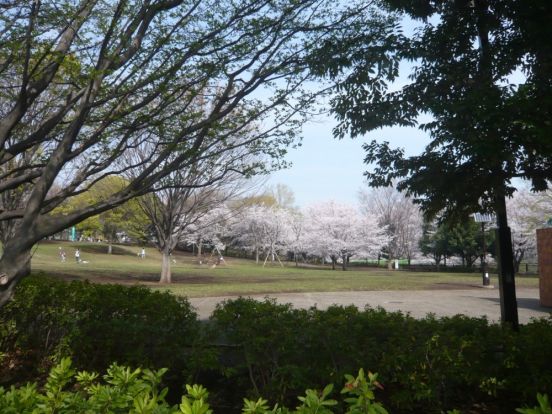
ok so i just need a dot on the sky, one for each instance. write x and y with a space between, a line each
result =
325 168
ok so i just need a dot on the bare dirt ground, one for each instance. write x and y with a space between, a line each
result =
473 302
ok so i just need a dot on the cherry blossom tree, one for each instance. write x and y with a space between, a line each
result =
297 234
528 211
339 231
263 230
248 229
213 228
400 216
277 235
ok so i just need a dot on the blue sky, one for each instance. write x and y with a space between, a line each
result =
326 168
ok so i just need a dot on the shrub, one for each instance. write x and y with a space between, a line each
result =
96 325
125 390
267 350
429 365
138 391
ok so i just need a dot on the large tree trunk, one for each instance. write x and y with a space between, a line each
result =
505 262
165 267
14 265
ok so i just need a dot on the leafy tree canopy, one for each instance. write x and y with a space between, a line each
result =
482 69
127 217
84 82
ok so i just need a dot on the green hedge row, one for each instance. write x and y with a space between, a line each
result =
96 325
427 365
252 349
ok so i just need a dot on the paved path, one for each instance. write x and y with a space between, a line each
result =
471 302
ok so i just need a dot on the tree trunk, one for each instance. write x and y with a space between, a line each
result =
199 249
165 267
390 263
109 248
14 265
505 261
517 260
344 264
257 254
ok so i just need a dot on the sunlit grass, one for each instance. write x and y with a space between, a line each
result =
238 276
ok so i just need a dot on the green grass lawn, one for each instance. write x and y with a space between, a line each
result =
238 276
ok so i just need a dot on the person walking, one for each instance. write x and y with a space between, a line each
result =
77 255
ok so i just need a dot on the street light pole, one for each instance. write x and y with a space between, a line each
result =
485 274
483 219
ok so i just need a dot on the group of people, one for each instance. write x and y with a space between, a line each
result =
63 255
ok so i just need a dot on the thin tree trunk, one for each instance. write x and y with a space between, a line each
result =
109 248
165 267
199 249
257 254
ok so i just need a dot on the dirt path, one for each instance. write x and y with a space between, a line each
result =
471 302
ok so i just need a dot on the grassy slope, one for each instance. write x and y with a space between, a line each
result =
237 277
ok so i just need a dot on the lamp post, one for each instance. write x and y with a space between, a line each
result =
483 219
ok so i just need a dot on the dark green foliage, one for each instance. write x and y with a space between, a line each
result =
96 325
463 239
425 365
126 390
274 351
488 123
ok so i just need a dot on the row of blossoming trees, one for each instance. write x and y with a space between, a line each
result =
326 231
387 224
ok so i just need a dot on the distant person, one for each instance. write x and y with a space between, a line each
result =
77 255
62 255
143 253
